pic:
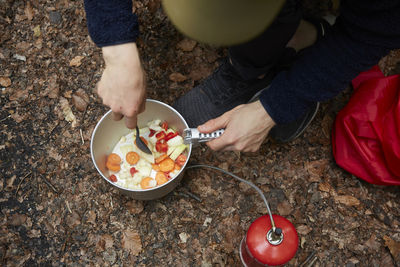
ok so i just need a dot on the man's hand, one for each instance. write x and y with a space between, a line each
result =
246 127
123 84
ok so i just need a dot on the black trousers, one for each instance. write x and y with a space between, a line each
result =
259 55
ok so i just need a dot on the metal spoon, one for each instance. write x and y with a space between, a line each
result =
139 142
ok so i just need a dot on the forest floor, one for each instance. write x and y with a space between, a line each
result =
57 210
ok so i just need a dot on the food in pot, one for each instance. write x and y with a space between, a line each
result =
131 168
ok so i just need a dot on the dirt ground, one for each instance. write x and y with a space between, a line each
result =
56 209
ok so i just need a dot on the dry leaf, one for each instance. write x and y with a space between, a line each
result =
54 154
316 169
347 200
91 216
18 118
200 72
187 45
325 187
134 206
52 90
303 229
106 241
10 183
76 61
284 208
79 102
19 95
36 31
29 11
372 243
177 77
82 94
68 115
5 81
183 237
230 229
19 57
394 248
22 46
131 242
73 219
17 219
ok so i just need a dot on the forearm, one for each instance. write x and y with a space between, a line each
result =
111 22
328 67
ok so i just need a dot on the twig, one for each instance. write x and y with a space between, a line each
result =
23 178
69 209
189 195
52 130
308 259
80 131
111 202
312 262
5 118
49 184
194 196
68 234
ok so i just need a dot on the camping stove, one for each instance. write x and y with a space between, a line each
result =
269 241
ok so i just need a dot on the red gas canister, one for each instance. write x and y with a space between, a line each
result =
263 246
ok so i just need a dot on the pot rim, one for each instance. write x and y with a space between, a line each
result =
142 190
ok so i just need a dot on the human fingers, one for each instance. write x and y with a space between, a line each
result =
116 116
131 122
215 124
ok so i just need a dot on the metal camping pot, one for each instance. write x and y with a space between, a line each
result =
108 132
264 247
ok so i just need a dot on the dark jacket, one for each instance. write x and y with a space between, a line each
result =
365 31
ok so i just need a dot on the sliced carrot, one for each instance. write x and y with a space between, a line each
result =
113 167
144 141
181 159
177 167
161 158
145 183
114 159
155 167
167 165
132 157
161 178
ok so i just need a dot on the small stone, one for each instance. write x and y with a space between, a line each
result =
55 17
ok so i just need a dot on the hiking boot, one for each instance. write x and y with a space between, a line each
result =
287 132
220 92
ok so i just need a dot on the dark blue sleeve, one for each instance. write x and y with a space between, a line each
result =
364 33
111 22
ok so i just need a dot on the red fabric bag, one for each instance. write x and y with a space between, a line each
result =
366 132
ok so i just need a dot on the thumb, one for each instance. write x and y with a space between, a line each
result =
214 124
